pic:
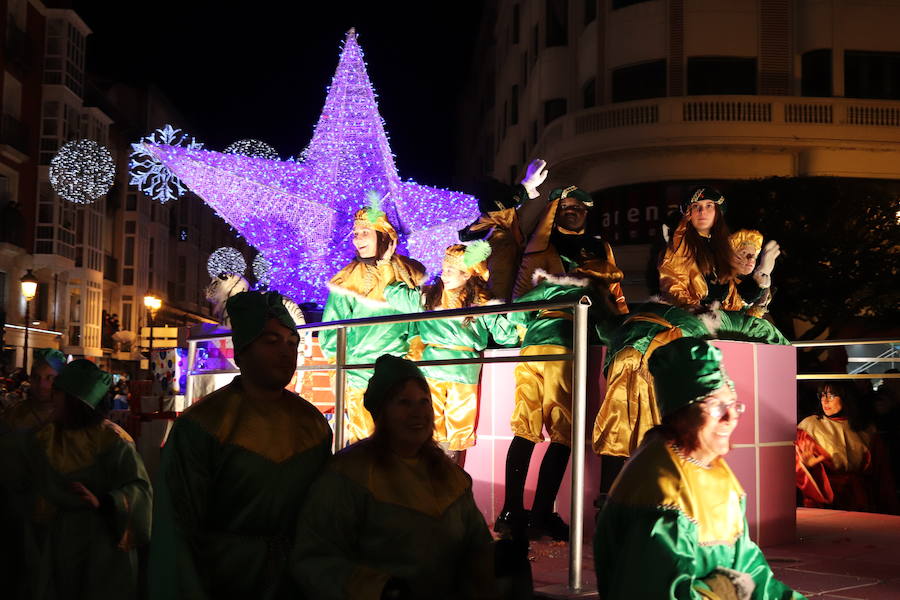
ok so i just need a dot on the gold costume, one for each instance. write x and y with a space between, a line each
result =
359 421
543 397
506 242
455 412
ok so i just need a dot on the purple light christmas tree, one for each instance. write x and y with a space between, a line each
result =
299 215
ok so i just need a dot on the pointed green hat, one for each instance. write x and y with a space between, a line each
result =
84 380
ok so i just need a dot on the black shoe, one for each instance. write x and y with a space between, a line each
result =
512 524
551 526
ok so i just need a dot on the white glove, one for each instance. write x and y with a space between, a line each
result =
766 263
535 175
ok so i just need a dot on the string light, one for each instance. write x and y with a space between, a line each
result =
151 176
261 268
253 149
226 261
300 213
82 171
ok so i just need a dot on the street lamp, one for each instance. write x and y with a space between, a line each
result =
152 303
29 285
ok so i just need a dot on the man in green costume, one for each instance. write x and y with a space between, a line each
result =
674 526
86 494
36 408
236 468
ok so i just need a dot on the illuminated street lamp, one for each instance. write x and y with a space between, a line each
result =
29 285
153 304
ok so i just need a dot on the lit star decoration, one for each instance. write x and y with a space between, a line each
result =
226 261
300 213
261 268
82 171
151 176
252 148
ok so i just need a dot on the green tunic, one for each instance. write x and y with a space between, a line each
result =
234 473
71 549
554 327
440 333
370 518
669 523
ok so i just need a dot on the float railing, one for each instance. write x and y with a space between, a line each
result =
578 356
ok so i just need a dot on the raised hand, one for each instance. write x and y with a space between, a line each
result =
535 175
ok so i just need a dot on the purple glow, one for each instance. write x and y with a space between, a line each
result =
300 214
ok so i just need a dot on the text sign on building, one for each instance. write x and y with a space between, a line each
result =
163 337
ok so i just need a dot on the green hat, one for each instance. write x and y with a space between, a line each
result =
389 371
249 312
685 371
51 356
573 191
84 380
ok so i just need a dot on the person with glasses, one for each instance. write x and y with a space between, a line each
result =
674 525
841 462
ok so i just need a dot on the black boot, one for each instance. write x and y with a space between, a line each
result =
544 522
513 519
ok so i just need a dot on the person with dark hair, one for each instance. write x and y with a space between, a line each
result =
235 469
36 409
357 291
674 525
454 388
84 495
841 461
391 517
543 396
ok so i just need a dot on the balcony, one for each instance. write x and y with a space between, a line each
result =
726 136
12 134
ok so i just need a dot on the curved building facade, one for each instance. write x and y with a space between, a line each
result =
636 99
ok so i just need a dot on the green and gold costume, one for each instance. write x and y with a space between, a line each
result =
375 516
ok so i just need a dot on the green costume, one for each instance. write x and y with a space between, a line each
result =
374 516
553 327
448 339
234 472
669 523
72 549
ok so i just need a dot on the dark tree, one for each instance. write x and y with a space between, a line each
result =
841 247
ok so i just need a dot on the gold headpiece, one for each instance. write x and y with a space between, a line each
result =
749 237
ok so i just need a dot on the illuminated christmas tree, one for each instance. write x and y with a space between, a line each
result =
299 215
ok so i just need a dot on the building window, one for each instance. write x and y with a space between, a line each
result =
721 75
524 69
515 23
872 75
557 22
616 4
589 94
131 201
128 276
514 106
126 324
590 11
554 109
535 44
816 73
637 82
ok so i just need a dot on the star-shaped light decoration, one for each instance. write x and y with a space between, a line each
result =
300 214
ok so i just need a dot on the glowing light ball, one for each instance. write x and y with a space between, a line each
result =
253 149
261 270
151 176
226 261
299 213
82 171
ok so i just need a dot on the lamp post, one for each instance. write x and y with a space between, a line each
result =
29 285
152 303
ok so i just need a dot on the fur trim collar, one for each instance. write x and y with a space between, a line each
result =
542 275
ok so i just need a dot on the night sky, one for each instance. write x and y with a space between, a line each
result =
237 73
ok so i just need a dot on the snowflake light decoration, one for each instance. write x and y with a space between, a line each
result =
299 213
226 261
253 149
261 270
151 176
82 171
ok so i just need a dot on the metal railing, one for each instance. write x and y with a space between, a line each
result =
855 374
578 356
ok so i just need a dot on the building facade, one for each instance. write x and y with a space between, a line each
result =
95 263
635 100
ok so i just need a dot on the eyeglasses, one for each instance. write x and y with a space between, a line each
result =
717 410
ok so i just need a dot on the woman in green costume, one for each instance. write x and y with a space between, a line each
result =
86 495
392 517
454 388
674 525
356 292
